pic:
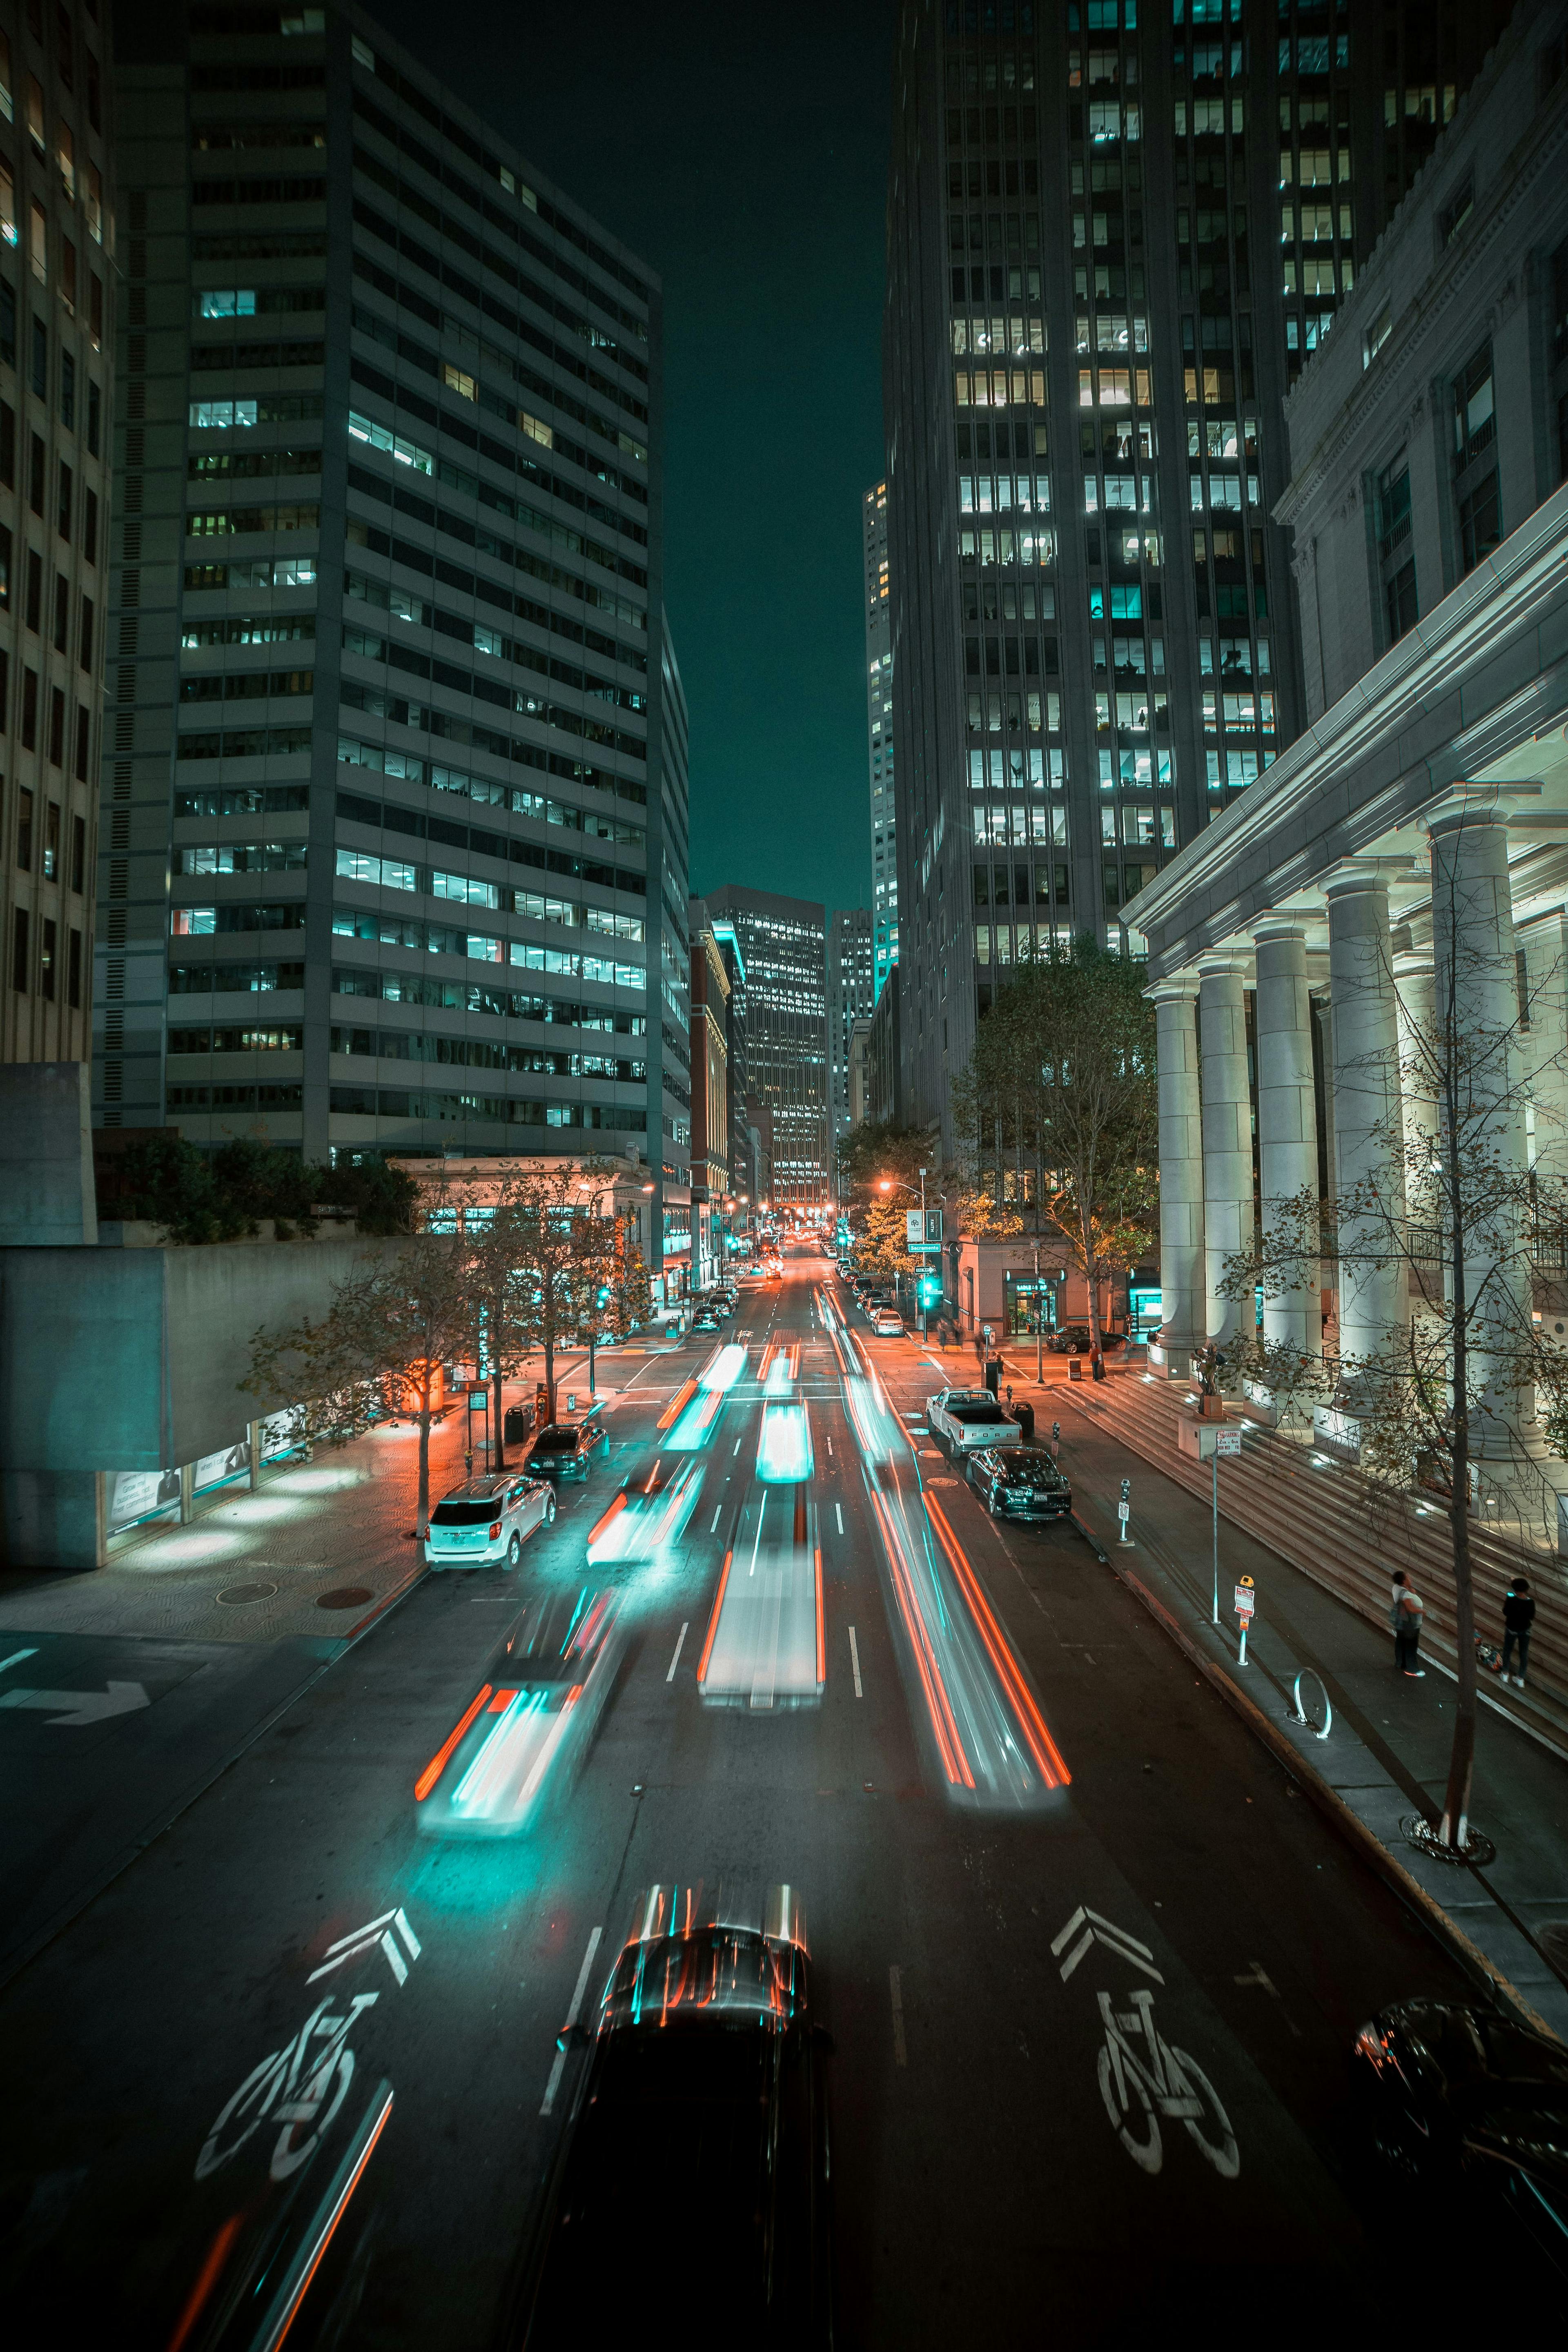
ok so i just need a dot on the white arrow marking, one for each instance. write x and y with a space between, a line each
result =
365 1939
78 1706
1098 1930
16 1658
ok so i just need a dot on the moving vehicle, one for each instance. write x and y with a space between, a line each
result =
705 2087
650 1511
485 1520
705 1320
1015 1482
968 1419
564 1449
1457 2096
887 1323
521 1740
1076 1339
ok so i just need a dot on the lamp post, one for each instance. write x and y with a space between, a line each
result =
886 1184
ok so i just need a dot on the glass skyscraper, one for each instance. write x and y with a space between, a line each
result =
782 998
880 738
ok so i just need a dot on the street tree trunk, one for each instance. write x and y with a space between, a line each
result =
422 1511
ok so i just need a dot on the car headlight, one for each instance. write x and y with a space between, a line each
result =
1371 2045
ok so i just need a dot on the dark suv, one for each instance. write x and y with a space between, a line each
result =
1015 1482
564 1449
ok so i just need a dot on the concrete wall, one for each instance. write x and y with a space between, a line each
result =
47 1193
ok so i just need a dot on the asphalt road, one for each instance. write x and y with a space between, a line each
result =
982 2189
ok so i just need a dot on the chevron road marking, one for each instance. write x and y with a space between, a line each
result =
1097 1930
364 1940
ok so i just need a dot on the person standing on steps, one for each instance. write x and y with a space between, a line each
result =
1406 1611
1518 1617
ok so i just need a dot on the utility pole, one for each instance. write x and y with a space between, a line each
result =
1039 1335
925 1311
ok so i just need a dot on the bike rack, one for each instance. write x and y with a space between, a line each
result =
1300 1715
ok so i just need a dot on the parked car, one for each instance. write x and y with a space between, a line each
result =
1014 1482
887 1323
968 1419
564 1449
487 1520
519 1742
705 1320
1459 2097
706 2086
1076 1340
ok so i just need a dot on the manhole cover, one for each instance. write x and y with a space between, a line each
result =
236 1596
347 1596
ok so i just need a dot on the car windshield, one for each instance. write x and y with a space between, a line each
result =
1030 1469
465 1515
559 1438
714 1972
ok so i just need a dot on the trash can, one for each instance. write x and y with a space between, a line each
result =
519 1421
1024 1413
1075 1368
993 1374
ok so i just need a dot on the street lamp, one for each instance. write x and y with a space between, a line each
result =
886 1184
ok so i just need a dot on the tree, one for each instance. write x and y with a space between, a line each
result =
1062 1080
882 1247
378 1354
553 1253
1439 1369
882 1148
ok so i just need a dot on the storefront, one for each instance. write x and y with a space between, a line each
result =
1029 1303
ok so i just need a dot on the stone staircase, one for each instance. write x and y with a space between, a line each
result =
1335 1527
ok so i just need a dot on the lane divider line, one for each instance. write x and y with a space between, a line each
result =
718 1515
560 2066
838 1513
676 1660
855 1663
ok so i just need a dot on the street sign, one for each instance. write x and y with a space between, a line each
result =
1124 1511
1245 1598
1227 1441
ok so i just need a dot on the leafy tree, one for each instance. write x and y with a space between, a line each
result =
551 1255
1062 1081
377 1354
382 1198
198 1199
166 1181
883 1149
882 1247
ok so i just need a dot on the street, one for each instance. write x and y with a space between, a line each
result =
1091 1821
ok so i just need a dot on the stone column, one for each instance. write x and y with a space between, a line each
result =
1368 1131
1286 1117
1181 1175
1227 1137
1476 974
1418 1047
1544 1051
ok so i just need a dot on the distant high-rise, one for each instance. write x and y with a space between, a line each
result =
57 257
395 806
1112 235
879 738
851 997
784 953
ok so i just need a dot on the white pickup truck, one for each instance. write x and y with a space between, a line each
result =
968 1418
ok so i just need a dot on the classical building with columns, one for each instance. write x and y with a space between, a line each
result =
1414 839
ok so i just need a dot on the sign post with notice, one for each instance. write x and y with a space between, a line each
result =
1245 1603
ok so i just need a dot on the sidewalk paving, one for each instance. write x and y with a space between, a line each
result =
1386 1754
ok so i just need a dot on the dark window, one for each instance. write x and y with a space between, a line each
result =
81 745
51 868
56 727
1395 561
73 973
7 324
4 570
29 709
1479 522
68 392
1458 210
67 501
47 961
34 589
85 654
95 308
36 470
79 854
21 951
5 688
7 444
1475 422
62 611
25 830
40 359
94 417
89 528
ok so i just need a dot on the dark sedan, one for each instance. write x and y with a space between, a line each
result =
1076 1339
704 2094
564 1449
1015 1482
1453 2095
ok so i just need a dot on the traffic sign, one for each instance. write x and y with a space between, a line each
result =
1124 1511
1245 1598
1227 1441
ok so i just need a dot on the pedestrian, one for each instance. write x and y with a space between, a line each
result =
1518 1617
1406 1609
1009 1391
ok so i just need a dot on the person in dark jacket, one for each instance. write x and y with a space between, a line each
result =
1518 1617
1406 1609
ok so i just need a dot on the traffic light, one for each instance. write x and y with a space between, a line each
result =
930 1289
1127 1490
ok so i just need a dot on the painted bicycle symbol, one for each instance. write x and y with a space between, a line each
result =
1163 2082
299 2088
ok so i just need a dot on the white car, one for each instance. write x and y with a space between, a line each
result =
887 1323
970 1418
485 1520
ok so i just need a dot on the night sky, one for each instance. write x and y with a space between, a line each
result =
741 151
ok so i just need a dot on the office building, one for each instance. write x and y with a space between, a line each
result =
1113 236
709 1095
397 794
746 1184
880 738
57 257
785 1005
1411 845
852 995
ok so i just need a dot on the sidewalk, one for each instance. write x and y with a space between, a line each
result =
1387 1753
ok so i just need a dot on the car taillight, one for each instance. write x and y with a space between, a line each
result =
495 1530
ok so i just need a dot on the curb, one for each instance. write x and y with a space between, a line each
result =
1487 1976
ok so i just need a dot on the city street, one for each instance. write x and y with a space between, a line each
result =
1091 1821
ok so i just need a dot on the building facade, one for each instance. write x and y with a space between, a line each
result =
880 738
1407 852
851 994
783 943
390 457
1113 237
56 259
709 1095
